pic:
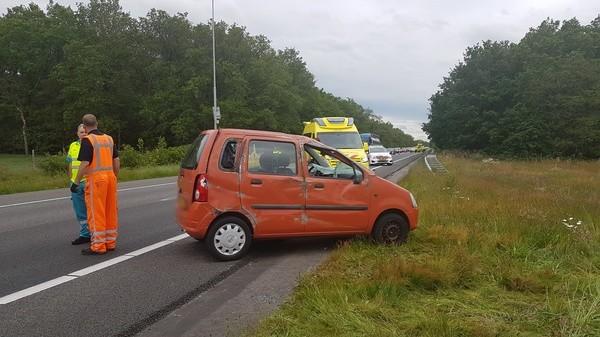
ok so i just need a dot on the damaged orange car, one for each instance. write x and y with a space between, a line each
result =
236 186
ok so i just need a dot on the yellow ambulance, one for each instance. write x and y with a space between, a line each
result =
340 133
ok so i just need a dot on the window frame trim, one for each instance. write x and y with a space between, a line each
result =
235 159
247 157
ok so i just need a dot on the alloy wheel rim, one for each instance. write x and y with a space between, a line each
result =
392 232
230 239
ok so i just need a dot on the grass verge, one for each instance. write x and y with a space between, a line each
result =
17 174
503 249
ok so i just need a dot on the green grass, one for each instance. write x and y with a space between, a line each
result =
18 175
491 257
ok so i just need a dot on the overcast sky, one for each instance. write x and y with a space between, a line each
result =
387 55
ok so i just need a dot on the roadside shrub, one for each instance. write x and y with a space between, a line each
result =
53 164
165 155
129 157
159 156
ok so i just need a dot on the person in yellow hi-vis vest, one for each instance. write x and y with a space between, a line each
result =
78 197
100 165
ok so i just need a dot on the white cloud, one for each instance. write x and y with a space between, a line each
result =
411 127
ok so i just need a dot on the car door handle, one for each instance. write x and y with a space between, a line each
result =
319 185
256 182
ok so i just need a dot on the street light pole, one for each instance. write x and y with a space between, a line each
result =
216 110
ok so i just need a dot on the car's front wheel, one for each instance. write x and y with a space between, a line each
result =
391 228
229 238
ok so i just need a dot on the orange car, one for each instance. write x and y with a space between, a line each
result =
239 185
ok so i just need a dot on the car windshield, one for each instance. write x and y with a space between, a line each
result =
341 140
377 149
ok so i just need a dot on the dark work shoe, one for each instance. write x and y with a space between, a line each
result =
80 240
88 251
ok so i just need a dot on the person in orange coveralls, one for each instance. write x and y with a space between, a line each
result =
100 164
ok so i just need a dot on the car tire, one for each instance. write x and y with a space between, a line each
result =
390 228
229 238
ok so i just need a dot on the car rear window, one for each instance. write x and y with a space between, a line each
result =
190 161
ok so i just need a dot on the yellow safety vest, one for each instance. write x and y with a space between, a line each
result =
72 158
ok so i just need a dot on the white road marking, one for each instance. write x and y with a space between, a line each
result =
167 199
147 186
35 289
178 237
395 161
148 248
99 266
88 270
426 163
34 202
63 198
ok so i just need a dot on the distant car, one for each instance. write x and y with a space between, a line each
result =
236 186
379 155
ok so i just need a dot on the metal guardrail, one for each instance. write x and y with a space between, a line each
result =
434 165
404 162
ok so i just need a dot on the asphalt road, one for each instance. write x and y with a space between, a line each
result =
129 297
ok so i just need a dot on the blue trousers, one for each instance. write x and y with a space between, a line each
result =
78 199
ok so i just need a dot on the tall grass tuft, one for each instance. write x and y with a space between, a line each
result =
504 248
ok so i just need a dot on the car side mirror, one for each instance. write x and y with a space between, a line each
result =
366 147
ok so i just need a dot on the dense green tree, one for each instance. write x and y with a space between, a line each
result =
29 50
539 97
150 78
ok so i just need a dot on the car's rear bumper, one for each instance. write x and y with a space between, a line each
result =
195 219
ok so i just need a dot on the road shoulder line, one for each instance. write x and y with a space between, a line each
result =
63 198
87 270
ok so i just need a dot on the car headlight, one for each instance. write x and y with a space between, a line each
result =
413 200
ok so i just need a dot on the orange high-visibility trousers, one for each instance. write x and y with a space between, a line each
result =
101 202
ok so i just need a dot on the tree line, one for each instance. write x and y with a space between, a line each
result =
539 97
150 77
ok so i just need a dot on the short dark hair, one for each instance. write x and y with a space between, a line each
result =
90 120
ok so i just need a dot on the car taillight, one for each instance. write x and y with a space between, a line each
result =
200 189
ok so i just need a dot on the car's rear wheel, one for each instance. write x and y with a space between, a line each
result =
229 238
391 228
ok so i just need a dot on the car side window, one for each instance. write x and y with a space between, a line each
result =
272 157
328 164
227 162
